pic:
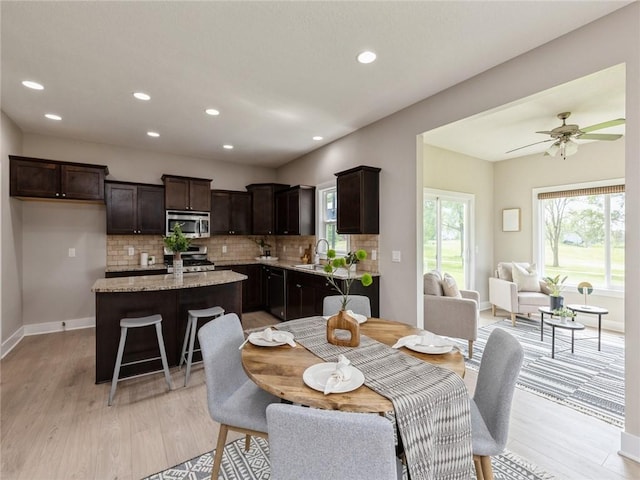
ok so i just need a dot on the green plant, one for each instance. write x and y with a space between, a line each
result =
177 242
336 263
555 284
564 313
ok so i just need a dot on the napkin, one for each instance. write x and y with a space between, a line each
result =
271 335
342 373
426 339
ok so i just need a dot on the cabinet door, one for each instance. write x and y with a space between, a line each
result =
240 213
34 179
220 205
150 210
293 212
82 183
262 210
199 195
121 209
176 193
348 188
282 210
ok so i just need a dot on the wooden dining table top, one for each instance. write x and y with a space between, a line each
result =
278 370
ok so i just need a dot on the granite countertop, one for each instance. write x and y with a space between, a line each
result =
135 268
165 282
289 265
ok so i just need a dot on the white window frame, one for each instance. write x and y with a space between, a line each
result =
321 221
538 231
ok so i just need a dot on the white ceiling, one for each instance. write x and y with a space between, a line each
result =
279 72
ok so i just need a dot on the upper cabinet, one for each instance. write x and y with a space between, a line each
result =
134 208
296 211
358 200
262 207
185 193
230 212
51 179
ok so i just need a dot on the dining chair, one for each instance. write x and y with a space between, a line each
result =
332 304
235 402
491 402
314 444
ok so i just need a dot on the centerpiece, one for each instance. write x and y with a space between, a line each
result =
556 300
177 242
342 320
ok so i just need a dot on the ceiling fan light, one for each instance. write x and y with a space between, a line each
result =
553 149
570 148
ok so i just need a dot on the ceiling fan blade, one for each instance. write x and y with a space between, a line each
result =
546 132
531 144
599 136
599 126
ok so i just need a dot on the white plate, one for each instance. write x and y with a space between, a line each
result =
316 377
432 349
256 339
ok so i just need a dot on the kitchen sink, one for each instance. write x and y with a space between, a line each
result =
310 266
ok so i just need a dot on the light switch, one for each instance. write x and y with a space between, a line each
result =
224 249
131 251
374 255
72 252
396 256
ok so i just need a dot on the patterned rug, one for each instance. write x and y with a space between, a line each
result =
587 380
254 465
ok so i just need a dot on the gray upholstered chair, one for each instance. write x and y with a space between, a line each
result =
357 304
312 444
234 400
491 403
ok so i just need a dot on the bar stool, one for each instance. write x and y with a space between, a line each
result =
127 323
190 334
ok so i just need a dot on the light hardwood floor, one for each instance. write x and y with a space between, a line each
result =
55 423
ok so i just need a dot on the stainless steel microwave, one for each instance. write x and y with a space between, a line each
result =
193 224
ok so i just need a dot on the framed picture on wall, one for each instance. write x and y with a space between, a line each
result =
511 220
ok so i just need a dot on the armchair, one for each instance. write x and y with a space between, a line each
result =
448 315
505 294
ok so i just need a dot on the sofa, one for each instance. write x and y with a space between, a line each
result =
449 311
523 295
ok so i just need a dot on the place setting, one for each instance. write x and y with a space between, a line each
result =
333 377
426 342
269 338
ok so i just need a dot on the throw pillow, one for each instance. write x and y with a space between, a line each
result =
526 279
449 286
504 272
431 283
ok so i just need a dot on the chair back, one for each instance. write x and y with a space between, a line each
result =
219 342
499 369
332 304
313 444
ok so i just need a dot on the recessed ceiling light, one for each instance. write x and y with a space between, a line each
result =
212 111
141 96
53 116
228 147
317 138
153 134
366 57
32 85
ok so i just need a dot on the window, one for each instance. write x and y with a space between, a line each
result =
581 234
327 221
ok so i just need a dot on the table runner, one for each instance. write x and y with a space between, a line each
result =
431 403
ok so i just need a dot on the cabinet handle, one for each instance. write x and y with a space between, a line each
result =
298 285
64 194
57 194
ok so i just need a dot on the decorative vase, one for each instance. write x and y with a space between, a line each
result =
555 303
178 267
342 321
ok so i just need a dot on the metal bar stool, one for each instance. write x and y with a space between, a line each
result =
127 323
190 335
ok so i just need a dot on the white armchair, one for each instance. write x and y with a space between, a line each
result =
505 294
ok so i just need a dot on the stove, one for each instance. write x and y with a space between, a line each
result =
193 260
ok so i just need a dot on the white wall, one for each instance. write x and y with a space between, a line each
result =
391 145
11 234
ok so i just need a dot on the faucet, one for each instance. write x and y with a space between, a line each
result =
316 258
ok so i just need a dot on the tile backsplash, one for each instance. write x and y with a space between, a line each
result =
232 248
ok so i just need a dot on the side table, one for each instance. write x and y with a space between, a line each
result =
544 311
566 325
594 311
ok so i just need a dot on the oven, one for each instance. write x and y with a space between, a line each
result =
193 224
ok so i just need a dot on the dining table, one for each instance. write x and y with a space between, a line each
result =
423 393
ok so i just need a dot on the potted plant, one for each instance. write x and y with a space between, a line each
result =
264 246
564 313
343 321
555 288
177 242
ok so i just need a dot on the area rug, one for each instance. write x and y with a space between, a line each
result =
587 380
254 465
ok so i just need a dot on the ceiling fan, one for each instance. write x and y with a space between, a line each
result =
563 136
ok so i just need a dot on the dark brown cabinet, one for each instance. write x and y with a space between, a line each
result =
358 200
40 178
263 214
186 193
252 287
230 212
295 211
134 208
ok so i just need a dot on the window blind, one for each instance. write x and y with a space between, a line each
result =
580 192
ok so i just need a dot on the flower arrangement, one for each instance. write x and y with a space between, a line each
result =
262 244
564 313
555 284
177 242
346 262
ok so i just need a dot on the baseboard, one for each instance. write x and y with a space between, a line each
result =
629 446
11 342
61 326
484 306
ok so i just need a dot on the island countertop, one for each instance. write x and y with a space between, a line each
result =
149 283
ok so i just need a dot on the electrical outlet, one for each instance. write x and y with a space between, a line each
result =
284 248
300 250
396 256
224 249
374 255
72 252
131 251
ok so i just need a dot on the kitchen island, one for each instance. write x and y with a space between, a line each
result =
127 297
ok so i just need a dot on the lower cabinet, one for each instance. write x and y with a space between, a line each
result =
252 289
